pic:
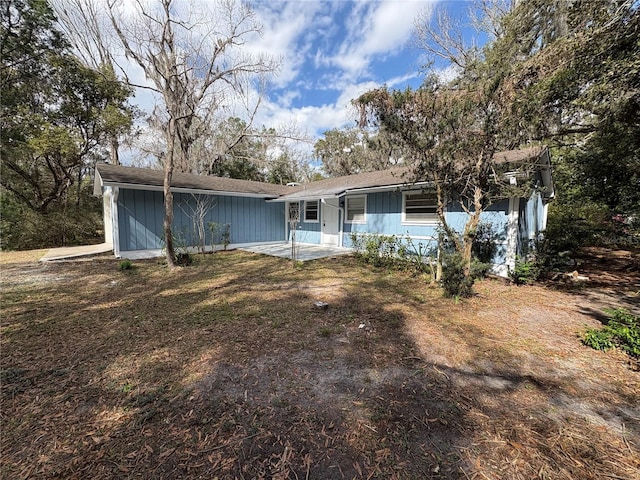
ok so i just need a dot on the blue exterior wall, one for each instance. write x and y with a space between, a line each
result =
384 217
141 213
308 232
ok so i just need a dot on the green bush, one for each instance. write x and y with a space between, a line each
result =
484 245
525 271
125 264
622 330
184 259
392 251
454 282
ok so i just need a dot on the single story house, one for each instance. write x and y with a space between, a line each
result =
329 211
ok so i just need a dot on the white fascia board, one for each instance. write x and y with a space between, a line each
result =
398 186
97 184
156 188
302 199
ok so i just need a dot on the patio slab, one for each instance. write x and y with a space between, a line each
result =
305 253
63 253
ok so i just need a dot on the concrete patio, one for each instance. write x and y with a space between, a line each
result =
305 252
73 252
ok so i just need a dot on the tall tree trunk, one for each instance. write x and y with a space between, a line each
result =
79 189
470 230
113 153
168 196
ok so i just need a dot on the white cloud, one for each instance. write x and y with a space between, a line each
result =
379 28
286 27
328 51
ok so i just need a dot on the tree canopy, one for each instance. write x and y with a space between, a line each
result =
55 115
563 73
348 151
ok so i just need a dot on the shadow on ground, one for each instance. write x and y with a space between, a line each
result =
228 370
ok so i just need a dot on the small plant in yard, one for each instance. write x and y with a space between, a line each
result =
454 283
622 330
125 264
325 332
220 234
525 271
184 259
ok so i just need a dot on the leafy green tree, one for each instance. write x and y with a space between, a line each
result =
451 135
349 151
578 88
55 115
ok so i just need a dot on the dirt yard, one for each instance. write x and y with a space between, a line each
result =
227 370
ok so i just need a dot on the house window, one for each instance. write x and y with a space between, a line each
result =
356 209
419 207
311 211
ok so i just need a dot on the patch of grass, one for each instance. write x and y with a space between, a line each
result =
125 264
622 330
325 332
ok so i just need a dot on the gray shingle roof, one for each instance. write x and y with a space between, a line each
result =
330 187
336 186
120 175
399 176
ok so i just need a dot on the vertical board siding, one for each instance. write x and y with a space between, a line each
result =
384 217
307 232
141 213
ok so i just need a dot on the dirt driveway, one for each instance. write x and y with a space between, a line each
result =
227 370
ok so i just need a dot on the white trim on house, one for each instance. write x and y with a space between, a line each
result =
397 186
512 232
157 188
346 209
431 220
300 199
115 191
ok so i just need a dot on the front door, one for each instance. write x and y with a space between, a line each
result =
330 222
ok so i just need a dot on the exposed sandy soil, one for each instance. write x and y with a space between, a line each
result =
227 370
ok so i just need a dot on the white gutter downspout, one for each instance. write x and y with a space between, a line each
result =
114 221
341 213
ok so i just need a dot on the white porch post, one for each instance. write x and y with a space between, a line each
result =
512 232
114 221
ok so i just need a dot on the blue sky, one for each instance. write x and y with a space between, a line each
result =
332 51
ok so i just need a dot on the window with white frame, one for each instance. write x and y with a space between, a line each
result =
356 209
311 211
419 207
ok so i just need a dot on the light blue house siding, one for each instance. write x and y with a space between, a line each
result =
140 217
308 232
384 217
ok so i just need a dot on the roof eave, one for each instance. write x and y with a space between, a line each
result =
197 191
97 184
386 188
304 198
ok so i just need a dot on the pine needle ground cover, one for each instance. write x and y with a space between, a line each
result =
226 369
